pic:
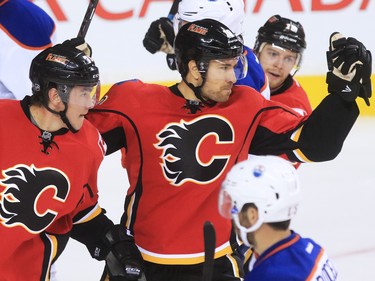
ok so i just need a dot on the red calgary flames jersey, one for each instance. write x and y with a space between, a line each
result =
177 160
295 97
41 192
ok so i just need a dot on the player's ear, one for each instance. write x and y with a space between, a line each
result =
252 215
193 69
53 96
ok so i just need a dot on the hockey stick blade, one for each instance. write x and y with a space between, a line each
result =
209 236
87 18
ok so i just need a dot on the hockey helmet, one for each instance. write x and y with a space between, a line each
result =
61 66
206 40
229 12
269 182
282 32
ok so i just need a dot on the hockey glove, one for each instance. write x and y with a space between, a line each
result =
366 87
349 65
80 44
124 260
160 36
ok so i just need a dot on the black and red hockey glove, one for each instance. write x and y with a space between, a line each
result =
349 65
160 36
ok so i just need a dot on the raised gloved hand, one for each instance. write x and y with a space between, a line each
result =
349 65
80 44
160 36
124 261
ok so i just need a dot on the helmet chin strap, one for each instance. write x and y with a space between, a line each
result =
66 121
244 231
198 92
63 117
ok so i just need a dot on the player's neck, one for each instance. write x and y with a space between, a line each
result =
275 89
45 120
265 237
186 91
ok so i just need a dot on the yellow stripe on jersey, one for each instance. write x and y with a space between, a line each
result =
235 265
184 259
54 245
94 212
295 136
247 255
129 211
297 152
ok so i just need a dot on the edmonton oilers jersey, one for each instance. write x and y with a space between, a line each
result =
292 259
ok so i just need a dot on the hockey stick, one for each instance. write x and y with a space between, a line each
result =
174 9
87 19
209 250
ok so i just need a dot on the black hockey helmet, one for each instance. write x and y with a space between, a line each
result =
62 65
205 40
282 32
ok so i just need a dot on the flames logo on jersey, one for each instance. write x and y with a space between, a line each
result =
183 149
25 189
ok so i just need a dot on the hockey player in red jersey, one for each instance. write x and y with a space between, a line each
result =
49 161
182 140
261 196
279 47
161 33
